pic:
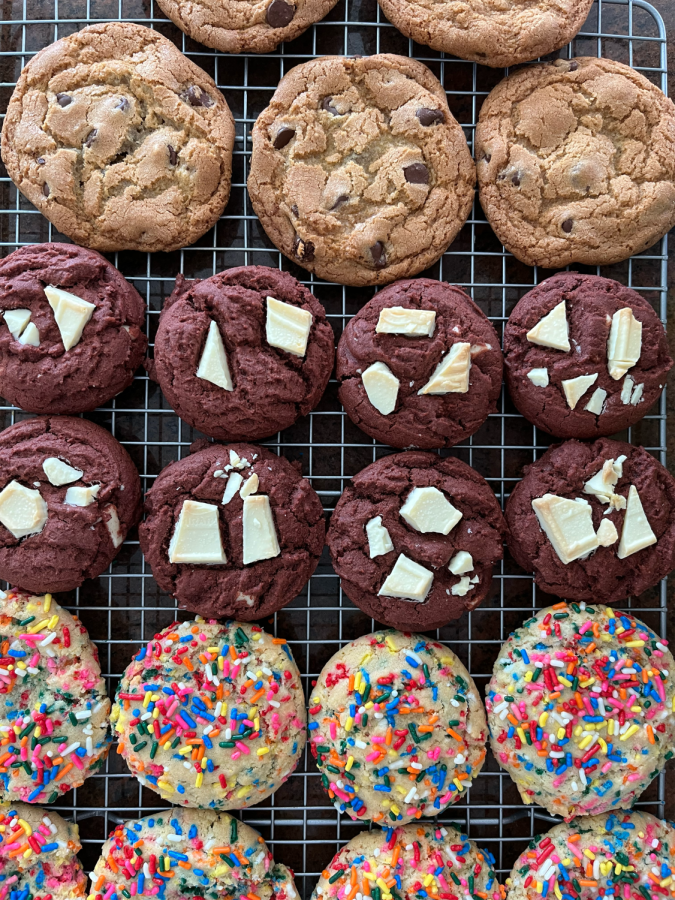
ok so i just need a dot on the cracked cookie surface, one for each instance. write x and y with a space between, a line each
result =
271 387
431 420
576 162
490 32
119 140
359 172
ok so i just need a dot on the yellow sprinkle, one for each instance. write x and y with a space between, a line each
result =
564 681
560 733
199 779
458 784
220 870
349 721
589 853
528 676
38 626
395 809
350 763
630 732
428 879
26 827
543 719
146 699
557 891
585 742
392 646
382 883
634 644
245 790
54 621
48 602
610 614
27 853
165 786
521 734
261 751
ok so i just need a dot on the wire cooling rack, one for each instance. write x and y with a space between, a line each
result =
125 606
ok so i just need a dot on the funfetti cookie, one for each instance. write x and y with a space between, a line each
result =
69 493
581 708
359 171
595 522
585 356
244 353
397 728
230 708
232 531
71 333
414 539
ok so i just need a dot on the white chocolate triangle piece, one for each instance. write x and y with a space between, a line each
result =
407 581
232 486
60 473
112 523
287 327
30 336
538 377
16 320
597 401
82 496
260 535
451 375
250 486
624 344
552 330
461 563
213 365
568 524
602 484
575 388
636 533
636 396
428 510
381 387
71 314
379 541
22 510
196 538
607 533
399 320
463 586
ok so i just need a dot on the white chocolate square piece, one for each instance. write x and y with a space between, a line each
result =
624 344
552 330
575 388
636 533
22 510
538 377
287 327
58 472
451 375
71 313
407 581
461 563
568 524
16 320
213 365
413 322
381 386
428 510
82 496
379 541
196 538
260 534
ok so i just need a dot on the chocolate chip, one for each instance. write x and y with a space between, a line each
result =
327 105
45 189
283 137
304 250
40 161
173 156
574 65
567 225
343 198
516 180
279 13
379 256
197 97
123 104
416 173
429 116
487 157
63 100
91 137
295 210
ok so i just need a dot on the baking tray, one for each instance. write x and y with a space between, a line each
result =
124 607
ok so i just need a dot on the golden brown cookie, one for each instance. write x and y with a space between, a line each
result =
576 162
359 171
119 140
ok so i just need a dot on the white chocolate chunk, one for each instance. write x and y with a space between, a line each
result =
636 396
462 587
250 486
601 485
477 349
568 524
71 314
112 523
575 388
213 365
407 581
379 541
30 336
624 344
260 535
22 510
428 510
196 538
237 462
82 496
16 320
627 389
232 486
399 320
461 563
287 327
59 472
538 377
451 375
607 533
552 330
381 387
597 401
636 533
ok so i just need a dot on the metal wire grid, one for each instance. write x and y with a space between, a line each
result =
124 607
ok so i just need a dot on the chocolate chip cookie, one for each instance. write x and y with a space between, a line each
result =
119 140
359 171
576 162
419 366
490 32
585 356
234 26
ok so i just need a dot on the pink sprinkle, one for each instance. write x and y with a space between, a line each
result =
243 747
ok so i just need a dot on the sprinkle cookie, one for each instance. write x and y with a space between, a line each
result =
397 728
195 853
410 862
581 709
211 715
54 721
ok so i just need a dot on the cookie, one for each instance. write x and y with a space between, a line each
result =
69 493
400 858
37 855
581 709
397 728
227 738
54 698
232 531
250 27
489 32
594 522
576 162
585 356
414 539
196 853
627 855
419 366
119 140
359 172
244 353
73 329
